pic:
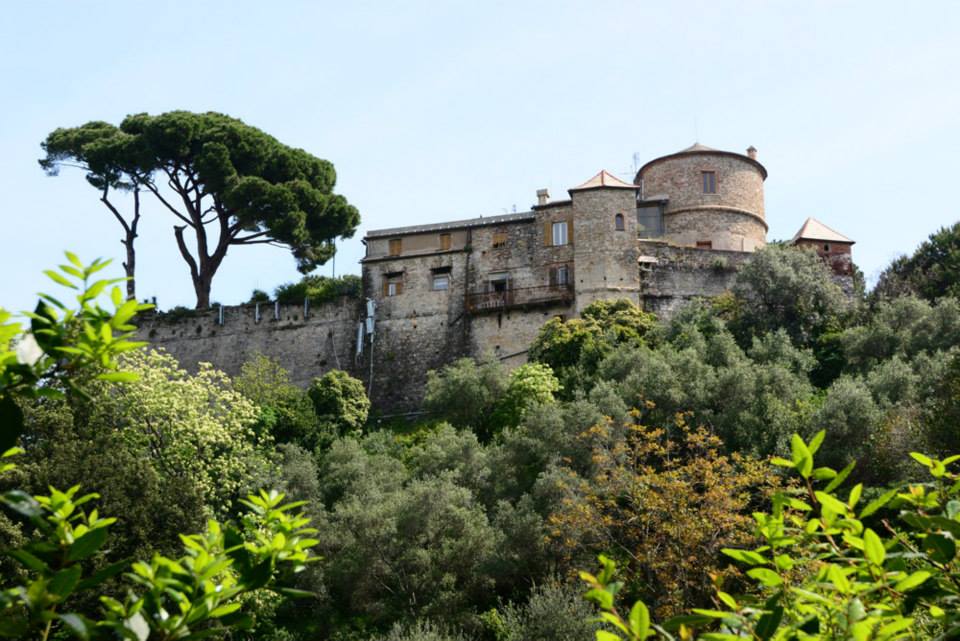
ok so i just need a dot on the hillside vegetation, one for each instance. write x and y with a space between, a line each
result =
647 442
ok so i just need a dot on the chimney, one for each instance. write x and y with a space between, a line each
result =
543 195
752 152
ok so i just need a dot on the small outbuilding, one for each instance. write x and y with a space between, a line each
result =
832 246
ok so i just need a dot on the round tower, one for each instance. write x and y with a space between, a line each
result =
710 199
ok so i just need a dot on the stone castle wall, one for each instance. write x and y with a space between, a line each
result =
307 347
672 276
733 218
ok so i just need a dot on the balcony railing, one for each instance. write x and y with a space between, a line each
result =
479 302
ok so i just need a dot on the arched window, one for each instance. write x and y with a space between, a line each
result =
618 222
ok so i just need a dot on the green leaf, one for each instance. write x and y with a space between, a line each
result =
603 635
119 377
63 582
829 502
922 459
224 610
76 624
878 503
103 574
745 556
912 581
765 576
87 544
855 493
73 259
640 620
840 478
28 560
782 462
802 458
57 278
11 422
873 548
768 623
939 548
816 441
22 503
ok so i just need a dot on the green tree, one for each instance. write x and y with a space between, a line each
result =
790 289
931 272
319 289
226 182
286 411
573 348
340 401
115 162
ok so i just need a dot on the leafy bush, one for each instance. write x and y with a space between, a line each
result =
827 567
318 289
340 401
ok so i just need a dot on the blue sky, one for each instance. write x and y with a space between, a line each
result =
441 110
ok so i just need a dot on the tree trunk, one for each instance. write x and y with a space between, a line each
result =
130 266
201 286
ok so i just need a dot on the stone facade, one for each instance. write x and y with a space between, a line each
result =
712 198
485 286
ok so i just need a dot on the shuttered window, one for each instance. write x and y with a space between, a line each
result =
499 239
444 241
396 246
558 233
709 182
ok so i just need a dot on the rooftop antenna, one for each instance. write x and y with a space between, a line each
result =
636 162
696 129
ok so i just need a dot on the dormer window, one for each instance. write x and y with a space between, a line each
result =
709 182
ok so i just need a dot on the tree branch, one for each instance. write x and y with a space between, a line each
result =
178 232
153 189
113 210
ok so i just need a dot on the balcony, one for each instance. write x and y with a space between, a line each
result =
481 302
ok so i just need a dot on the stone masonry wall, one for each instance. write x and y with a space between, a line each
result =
307 347
682 274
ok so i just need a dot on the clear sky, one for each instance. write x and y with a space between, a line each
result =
434 111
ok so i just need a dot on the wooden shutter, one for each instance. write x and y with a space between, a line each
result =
553 277
399 285
386 287
570 231
547 234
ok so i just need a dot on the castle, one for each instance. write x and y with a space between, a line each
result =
436 292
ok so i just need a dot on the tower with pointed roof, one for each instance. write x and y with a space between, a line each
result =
704 197
832 246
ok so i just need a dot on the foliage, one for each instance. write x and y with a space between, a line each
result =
554 612
667 506
259 296
319 289
194 427
827 567
184 598
227 178
573 348
790 289
931 272
286 411
64 346
481 394
340 401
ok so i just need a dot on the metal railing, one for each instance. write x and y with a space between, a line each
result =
518 297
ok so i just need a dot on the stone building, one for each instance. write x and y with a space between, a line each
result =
485 286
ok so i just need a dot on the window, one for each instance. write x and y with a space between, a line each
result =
560 233
441 281
444 241
396 246
499 239
560 276
826 247
704 244
709 182
618 222
393 284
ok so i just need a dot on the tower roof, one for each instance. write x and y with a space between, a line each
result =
697 148
604 179
813 229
